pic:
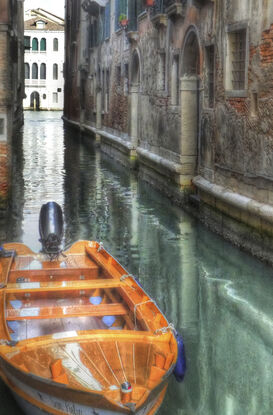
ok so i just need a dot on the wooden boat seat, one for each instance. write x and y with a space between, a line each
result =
54 286
60 273
43 312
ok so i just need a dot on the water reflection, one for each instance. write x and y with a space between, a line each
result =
219 298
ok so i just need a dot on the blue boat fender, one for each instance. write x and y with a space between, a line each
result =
180 367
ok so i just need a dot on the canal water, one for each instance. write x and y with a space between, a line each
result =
219 298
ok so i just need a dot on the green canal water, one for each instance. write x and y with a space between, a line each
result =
219 298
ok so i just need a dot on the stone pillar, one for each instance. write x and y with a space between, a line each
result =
134 114
189 126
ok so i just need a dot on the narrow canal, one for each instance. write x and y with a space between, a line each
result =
219 298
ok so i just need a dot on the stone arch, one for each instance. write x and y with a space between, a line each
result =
135 68
135 76
35 100
190 102
190 53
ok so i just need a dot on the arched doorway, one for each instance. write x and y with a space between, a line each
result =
35 101
134 92
190 101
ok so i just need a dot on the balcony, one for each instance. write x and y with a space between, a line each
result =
158 13
37 83
176 7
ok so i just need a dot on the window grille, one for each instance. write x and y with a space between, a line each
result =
238 56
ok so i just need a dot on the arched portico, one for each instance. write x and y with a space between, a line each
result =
189 90
134 93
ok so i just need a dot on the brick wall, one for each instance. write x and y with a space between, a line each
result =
4 174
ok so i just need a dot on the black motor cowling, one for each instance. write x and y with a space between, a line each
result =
51 228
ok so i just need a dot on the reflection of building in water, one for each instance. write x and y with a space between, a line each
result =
44 59
204 286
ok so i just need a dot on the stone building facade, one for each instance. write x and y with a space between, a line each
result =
44 60
11 85
183 91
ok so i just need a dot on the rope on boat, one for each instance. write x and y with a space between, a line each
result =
124 374
100 247
135 309
123 277
108 364
164 330
71 355
95 366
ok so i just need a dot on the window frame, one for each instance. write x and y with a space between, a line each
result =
230 30
34 39
27 72
34 65
55 75
210 75
43 71
55 42
43 43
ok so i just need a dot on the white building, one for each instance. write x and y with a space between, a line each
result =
44 81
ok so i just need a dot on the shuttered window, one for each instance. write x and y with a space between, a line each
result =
35 44
43 45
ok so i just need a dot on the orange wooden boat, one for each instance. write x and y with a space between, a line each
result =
79 336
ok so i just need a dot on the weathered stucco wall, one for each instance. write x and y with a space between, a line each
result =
166 95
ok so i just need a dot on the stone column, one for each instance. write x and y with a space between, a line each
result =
134 114
189 126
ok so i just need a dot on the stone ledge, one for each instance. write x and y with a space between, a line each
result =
112 139
167 164
250 206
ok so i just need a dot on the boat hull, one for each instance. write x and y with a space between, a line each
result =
34 402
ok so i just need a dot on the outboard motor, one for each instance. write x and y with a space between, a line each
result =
51 228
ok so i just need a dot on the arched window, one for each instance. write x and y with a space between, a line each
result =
43 44
34 43
27 71
55 71
55 44
43 71
34 71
